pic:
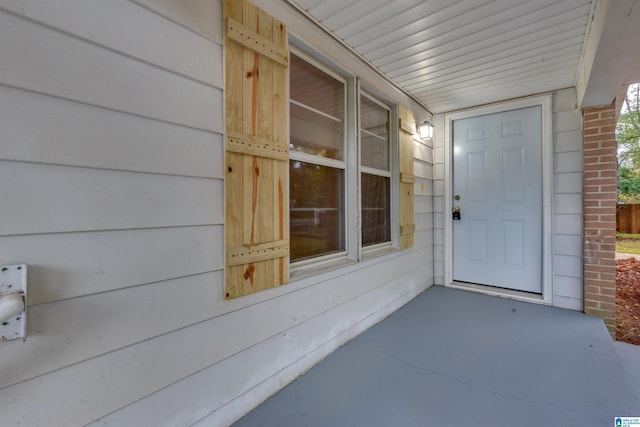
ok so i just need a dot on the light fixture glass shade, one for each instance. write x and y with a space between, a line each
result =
425 130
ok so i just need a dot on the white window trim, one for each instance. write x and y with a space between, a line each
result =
351 164
315 265
392 245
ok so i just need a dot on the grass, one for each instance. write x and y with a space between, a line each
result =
628 243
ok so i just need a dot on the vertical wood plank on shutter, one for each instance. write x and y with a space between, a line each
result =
256 220
405 166
279 109
265 125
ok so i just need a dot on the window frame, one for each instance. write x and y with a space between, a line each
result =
393 244
354 88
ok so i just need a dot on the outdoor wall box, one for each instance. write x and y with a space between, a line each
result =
13 302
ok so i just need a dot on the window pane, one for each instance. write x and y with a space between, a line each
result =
375 153
316 210
374 134
376 210
315 134
315 88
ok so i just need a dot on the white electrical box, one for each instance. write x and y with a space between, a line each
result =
13 280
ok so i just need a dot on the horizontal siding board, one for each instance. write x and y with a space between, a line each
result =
438 188
567 245
570 161
568 141
423 187
424 239
438 215
149 37
423 152
422 169
567 203
438 171
61 199
565 99
438 155
67 265
42 129
569 303
438 204
90 394
565 286
438 256
424 221
201 16
203 393
78 329
423 205
567 183
567 121
565 265
60 65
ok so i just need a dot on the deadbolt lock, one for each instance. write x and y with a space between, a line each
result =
456 213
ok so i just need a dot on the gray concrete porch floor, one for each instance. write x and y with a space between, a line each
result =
454 358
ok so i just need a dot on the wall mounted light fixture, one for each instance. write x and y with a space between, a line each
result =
425 130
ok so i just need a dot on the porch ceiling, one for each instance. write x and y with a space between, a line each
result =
454 54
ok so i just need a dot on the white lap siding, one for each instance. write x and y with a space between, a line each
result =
111 154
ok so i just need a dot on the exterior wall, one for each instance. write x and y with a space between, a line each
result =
567 201
111 156
600 197
438 201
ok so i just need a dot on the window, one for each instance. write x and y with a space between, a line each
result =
375 171
349 188
338 189
317 165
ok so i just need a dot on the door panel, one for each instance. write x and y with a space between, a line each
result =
513 242
478 241
497 174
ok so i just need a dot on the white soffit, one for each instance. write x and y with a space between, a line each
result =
454 54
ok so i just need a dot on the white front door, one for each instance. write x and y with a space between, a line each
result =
497 185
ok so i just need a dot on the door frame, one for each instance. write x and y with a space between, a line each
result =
545 102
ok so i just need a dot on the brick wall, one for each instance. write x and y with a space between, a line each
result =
600 196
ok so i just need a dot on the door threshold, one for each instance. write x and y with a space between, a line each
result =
500 292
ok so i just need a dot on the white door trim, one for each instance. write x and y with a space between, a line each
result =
545 102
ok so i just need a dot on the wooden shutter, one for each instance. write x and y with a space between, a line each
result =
406 128
256 151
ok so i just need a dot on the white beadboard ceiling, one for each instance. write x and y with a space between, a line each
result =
454 54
